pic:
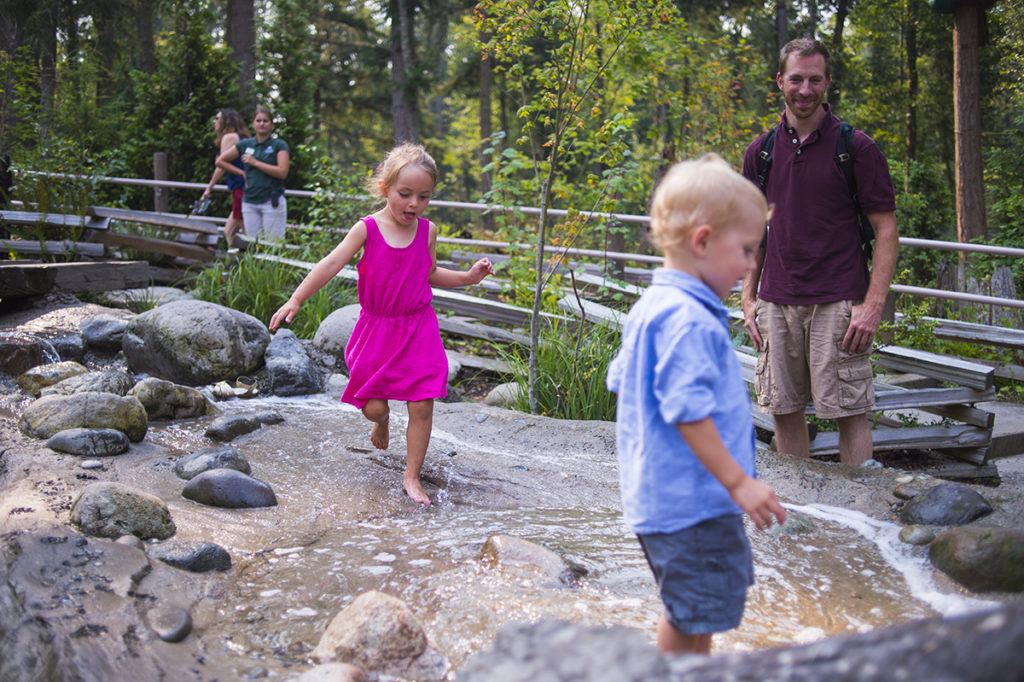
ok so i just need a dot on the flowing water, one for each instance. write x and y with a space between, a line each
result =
343 527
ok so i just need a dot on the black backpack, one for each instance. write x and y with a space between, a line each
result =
844 158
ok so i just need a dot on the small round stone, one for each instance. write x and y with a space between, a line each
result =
170 623
91 464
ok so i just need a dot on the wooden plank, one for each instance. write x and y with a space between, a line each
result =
150 218
911 438
495 365
462 327
198 239
976 333
961 471
154 245
18 280
592 312
941 367
63 247
90 222
609 284
976 456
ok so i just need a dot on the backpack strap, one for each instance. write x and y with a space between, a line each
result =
844 158
764 159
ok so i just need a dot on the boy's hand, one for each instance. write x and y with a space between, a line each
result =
480 269
758 501
285 313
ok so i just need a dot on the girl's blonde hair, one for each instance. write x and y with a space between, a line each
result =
386 173
704 191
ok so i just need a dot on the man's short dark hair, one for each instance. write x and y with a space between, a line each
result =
805 47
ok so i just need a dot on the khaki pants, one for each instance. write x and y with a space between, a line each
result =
802 361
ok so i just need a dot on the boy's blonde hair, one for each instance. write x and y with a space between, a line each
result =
704 191
386 173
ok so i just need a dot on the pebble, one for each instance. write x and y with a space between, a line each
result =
872 464
917 535
481 418
904 479
91 464
304 612
170 623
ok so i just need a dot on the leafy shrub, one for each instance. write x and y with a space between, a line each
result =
258 288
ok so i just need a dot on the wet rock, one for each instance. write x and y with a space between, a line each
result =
332 672
231 426
289 367
269 417
52 414
796 524
947 504
336 384
333 333
502 395
65 600
167 400
982 559
195 343
38 378
21 352
230 489
909 490
103 333
378 633
222 457
556 650
917 535
170 623
89 442
198 557
109 381
977 647
515 553
111 510
69 346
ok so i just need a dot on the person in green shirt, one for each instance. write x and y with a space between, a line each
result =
266 159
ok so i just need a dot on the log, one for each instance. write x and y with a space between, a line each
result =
154 245
477 362
160 219
941 367
26 280
90 222
463 327
63 247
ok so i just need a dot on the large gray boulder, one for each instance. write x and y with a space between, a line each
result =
195 343
947 504
52 414
90 442
229 489
982 559
111 510
291 370
168 400
378 633
333 333
107 381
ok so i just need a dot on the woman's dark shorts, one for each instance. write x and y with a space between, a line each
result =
703 573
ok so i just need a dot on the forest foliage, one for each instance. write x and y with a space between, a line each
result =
98 86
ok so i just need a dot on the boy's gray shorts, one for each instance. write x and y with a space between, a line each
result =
703 573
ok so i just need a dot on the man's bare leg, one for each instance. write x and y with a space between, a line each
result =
421 420
671 641
791 434
377 411
855 446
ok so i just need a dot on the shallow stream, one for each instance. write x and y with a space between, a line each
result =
343 527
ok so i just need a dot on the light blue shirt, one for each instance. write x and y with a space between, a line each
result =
676 365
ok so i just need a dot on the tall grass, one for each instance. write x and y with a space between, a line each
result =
571 368
259 288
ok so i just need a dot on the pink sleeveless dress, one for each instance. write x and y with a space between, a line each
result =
395 351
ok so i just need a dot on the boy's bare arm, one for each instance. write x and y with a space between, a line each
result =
752 496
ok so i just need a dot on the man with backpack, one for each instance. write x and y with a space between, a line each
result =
811 305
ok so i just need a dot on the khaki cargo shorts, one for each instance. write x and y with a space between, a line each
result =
802 360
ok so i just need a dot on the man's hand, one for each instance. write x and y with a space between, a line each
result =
750 322
864 321
758 501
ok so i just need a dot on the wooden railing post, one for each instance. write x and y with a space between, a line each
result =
160 194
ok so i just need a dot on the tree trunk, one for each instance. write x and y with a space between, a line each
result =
781 24
486 127
813 16
108 27
970 201
911 85
241 36
402 69
145 56
838 67
50 12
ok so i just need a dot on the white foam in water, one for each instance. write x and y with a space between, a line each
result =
269 593
304 612
915 570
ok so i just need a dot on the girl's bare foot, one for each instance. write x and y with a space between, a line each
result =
380 435
414 490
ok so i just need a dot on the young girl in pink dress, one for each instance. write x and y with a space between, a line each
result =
395 352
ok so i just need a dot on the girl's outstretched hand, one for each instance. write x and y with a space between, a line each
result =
480 269
285 314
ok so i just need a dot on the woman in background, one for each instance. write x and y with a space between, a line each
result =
229 129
